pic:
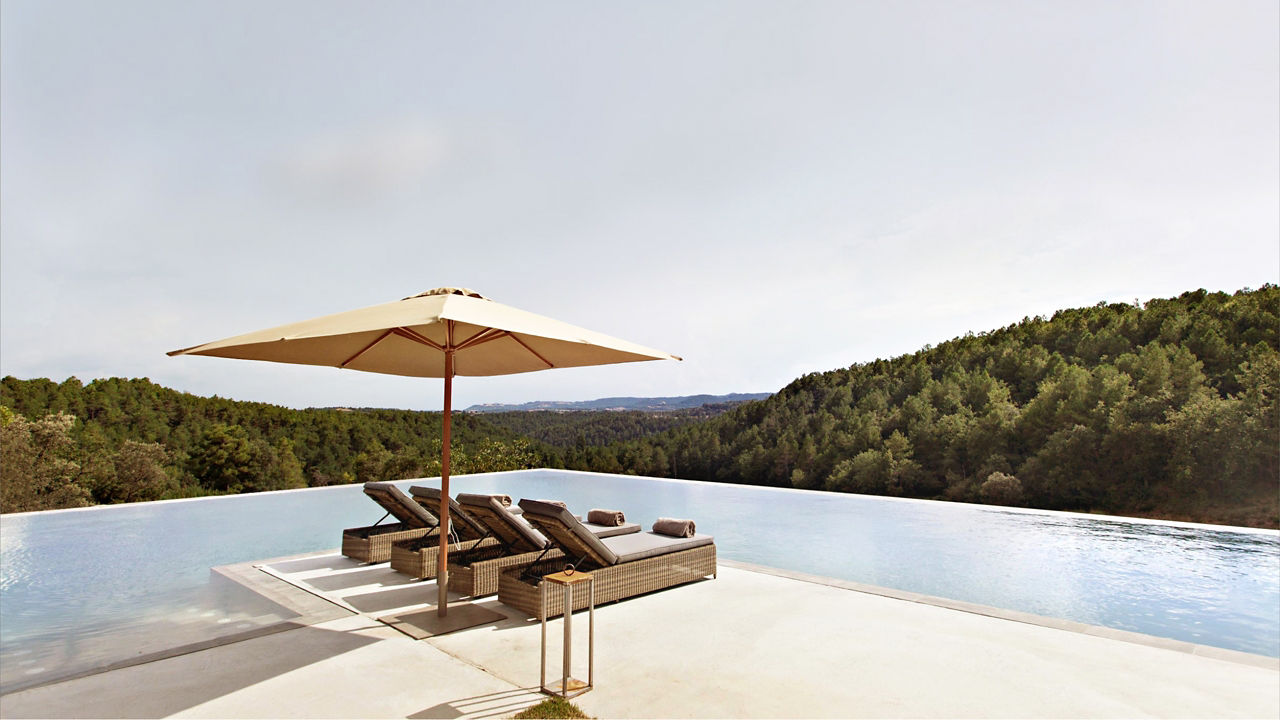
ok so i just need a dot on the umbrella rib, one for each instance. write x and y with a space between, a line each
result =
408 334
535 352
482 337
364 350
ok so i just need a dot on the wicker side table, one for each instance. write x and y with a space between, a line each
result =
569 687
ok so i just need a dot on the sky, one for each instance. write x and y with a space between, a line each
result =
766 189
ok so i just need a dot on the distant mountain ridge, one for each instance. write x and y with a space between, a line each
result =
657 404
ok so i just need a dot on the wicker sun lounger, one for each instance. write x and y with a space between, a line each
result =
418 557
622 566
475 572
372 544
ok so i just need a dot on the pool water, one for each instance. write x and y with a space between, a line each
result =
82 588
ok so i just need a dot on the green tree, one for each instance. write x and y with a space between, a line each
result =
1063 474
1001 489
38 470
138 474
283 470
371 461
223 458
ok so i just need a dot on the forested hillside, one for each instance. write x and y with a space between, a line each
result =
583 428
68 444
1168 409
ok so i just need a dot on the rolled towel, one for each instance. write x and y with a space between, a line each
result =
674 527
557 503
504 499
612 518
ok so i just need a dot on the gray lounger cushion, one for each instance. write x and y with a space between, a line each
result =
460 517
399 505
575 539
511 529
639 546
604 531
600 531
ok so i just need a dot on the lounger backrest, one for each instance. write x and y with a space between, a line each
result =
567 532
463 524
514 533
394 501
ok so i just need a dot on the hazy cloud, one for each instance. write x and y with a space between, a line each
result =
367 161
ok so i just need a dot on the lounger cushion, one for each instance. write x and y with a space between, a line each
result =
509 528
600 531
460 517
398 504
428 493
638 546
574 539
604 531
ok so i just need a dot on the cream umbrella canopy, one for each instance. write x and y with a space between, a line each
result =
439 333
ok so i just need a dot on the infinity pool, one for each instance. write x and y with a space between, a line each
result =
85 588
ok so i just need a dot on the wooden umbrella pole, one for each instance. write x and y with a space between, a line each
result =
442 568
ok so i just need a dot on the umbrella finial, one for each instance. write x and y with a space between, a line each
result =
467 292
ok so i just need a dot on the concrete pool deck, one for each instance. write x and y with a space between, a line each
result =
751 643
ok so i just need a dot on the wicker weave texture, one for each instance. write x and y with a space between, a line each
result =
372 544
611 583
477 578
419 560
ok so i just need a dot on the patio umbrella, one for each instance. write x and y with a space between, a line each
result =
439 333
